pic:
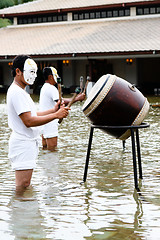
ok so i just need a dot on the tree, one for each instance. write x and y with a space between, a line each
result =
8 3
21 1
4 22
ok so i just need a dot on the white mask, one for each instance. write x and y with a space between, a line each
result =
30 71
55 74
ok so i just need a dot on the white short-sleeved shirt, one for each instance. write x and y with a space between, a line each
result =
19 101
48 97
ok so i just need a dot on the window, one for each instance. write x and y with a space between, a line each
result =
42 19
81 16
54 18
92 15
20 21
65 17
127 12
98 14
158 10
39 19
139 11
86 15
109 14
49 19
148 10
60 18
29 20
120 12
115 13
103 14
25 21
75 16
152 10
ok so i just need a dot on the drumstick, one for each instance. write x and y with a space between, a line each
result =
77 91
155 105
60 94
81 83
59 89
85 88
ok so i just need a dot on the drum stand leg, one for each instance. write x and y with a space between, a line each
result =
133 153
124 144
139 154
88 154
134 160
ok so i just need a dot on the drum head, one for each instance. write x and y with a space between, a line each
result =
98 93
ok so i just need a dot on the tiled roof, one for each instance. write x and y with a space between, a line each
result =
103 36
46 5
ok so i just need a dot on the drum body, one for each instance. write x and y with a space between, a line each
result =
115 102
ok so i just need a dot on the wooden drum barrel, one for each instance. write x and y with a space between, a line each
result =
115 102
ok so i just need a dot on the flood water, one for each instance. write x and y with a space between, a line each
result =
59 207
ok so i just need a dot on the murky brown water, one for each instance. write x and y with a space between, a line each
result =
58 207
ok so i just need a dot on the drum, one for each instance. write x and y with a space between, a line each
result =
115 102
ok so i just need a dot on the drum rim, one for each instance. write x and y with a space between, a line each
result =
107 78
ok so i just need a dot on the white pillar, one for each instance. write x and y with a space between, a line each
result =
15 20
69 16
133 11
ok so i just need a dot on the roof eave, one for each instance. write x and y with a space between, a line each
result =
65 10
88 55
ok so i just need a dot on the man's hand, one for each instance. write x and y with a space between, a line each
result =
62 112
80 97
59 105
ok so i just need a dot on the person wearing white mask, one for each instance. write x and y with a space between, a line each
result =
24 120
48 97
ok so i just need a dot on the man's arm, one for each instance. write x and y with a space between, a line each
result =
79 97
34 121
52 110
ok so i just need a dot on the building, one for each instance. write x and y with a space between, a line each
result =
85 38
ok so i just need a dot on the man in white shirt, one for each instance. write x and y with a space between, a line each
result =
24 120
48 97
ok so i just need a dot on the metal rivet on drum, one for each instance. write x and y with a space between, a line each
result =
132 87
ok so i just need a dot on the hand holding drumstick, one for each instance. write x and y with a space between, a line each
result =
77 91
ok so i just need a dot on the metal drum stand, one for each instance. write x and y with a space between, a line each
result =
134 129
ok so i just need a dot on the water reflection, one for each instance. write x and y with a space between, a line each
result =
59 207
25 216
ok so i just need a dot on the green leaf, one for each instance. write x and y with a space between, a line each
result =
4 22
